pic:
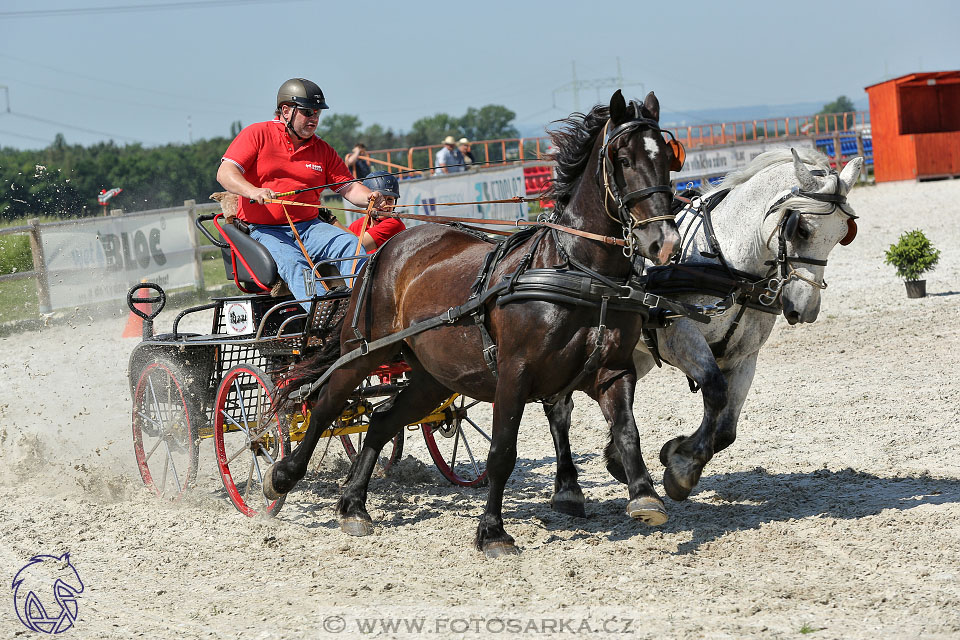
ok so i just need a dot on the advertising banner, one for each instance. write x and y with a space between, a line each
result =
99 259
467 186
715 161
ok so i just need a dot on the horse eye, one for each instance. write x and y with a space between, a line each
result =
625 162
803 233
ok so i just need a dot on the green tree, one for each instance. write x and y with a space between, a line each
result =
432 129
340 130
828 121
843 104
488 123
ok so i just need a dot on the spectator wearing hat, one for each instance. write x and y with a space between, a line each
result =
357 165
463 145
449 159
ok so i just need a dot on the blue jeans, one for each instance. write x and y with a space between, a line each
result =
323 241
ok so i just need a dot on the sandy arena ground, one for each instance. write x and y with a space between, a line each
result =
835 512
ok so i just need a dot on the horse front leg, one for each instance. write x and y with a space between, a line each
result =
685 458
491 537
615 397
567 495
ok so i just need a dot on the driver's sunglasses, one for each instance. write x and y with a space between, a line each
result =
309 113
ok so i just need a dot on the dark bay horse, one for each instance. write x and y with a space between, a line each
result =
613 180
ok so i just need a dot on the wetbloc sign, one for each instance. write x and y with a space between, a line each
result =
99 259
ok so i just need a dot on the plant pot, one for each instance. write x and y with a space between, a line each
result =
916 288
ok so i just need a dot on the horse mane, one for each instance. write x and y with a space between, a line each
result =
573 141
767 160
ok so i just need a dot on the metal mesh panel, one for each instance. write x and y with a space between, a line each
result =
233 354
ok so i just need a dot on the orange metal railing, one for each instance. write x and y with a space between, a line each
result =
705 135
505 151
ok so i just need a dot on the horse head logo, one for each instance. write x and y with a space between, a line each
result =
45 593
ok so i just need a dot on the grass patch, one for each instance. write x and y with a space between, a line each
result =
806 628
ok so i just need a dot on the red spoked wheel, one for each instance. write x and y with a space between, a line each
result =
248 437
376 389
165 433
458 445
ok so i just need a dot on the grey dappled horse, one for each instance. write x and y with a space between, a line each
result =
775 208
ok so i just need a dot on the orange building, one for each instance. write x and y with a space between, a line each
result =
915 122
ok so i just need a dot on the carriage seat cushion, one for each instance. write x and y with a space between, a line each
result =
256 256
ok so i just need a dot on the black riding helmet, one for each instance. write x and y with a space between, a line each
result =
301 92
385 183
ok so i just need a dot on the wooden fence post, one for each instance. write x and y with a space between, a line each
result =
191 206
862 154
40 267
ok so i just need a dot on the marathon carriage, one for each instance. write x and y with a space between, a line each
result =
188 387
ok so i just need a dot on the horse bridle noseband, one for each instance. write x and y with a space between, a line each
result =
611 189
787 228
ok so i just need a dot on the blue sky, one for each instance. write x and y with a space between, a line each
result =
121 70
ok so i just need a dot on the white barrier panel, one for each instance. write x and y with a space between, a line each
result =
701 163
99 259
468 186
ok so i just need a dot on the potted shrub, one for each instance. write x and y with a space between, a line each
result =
912 256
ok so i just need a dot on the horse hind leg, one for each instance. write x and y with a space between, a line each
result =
419 398
567 495
285 473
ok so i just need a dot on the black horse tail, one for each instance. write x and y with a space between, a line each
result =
310 369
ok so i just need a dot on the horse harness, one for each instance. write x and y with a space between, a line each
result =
761 293
568 283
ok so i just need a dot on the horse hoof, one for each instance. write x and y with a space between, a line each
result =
268 491
568 507
674 489
356 526
647 509
667 450
499 549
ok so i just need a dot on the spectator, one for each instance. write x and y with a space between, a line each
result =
449 159
357 165
464 146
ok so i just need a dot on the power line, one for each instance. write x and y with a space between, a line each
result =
75 74
76 128
25 137
135 8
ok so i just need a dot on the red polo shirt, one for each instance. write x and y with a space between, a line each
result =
264 153
381 230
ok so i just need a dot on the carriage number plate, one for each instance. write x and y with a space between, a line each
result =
239 318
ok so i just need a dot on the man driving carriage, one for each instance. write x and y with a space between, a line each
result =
283 155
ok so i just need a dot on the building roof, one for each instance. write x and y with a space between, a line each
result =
922 78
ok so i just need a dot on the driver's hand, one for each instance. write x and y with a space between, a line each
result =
262 194
379 202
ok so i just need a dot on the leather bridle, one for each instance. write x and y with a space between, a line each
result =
786 229
607 179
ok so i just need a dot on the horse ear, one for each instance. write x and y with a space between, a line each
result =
618 108
851 172
652 106
807 180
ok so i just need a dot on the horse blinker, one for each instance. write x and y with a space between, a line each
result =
677 152
791 224
851 232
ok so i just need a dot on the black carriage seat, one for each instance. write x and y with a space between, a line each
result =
247 262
